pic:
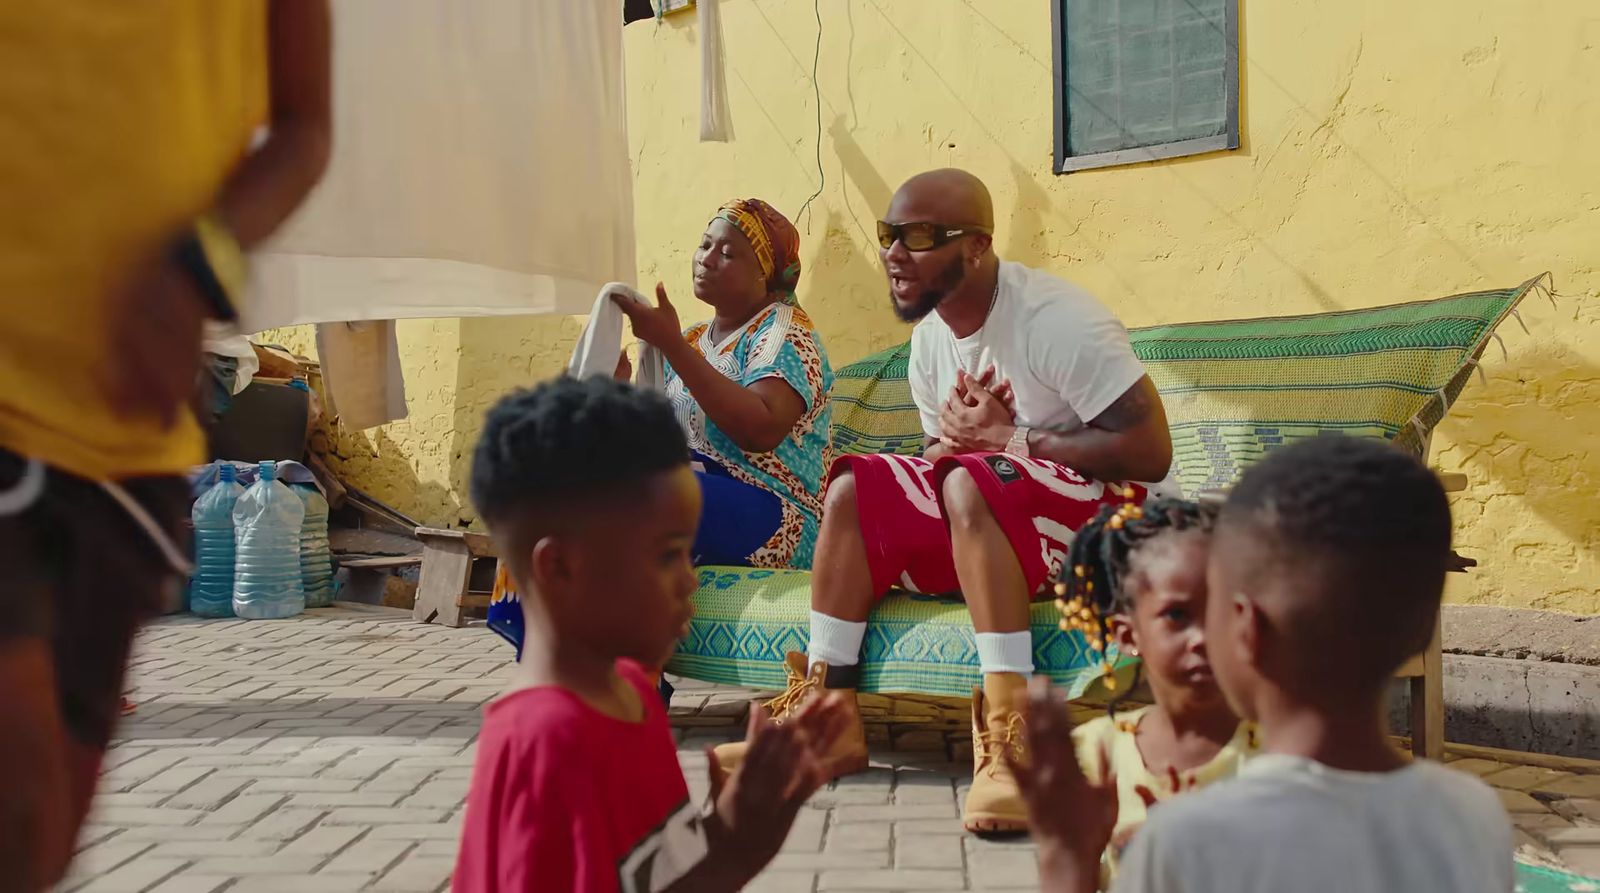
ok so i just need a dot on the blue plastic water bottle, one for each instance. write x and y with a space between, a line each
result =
211 587
266 525
316 559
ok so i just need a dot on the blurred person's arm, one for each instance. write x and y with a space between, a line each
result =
156 321
276 178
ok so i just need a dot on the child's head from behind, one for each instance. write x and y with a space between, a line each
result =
1326 574
587 489
1143 571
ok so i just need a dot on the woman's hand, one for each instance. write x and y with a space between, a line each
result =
624 372
656 326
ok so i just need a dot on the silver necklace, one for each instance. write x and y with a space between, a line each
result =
982 333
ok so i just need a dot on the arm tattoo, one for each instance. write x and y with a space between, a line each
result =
1129 410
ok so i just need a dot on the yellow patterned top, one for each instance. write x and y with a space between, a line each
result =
1117 737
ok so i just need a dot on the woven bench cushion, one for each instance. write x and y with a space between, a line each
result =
746 620
1233 391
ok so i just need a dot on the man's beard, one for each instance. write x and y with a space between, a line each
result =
948 280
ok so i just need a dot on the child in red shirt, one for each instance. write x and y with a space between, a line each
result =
587 489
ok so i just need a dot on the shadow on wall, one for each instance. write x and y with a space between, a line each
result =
1527 439
384 470
498 354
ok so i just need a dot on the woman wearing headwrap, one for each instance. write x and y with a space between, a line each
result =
751 388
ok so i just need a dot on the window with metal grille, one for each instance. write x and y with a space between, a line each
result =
1141 80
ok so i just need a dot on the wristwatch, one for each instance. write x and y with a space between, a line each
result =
1018 444
213 258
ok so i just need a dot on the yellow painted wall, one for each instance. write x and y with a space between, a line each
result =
1391 151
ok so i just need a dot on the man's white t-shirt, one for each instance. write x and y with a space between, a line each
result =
1067 357
1289 823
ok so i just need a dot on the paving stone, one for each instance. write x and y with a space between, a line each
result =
859 838
419 831
417 873
1525 778
370 855
1581 810
834 881
202 849
300 784
184 882
323 840
362 815
243 809
134 876
927 851
867 859
104 857
783 882
1479 767
1576 786
1000 865
927 828
285 824
248 865
318 883
1518 802
895 813
1539 822
208 793
1567 837
1584 860
805 835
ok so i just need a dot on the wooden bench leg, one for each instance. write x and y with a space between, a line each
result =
446 567
1427 701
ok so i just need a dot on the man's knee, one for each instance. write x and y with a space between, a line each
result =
964 504
840 503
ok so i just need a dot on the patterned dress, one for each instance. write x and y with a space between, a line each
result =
780 342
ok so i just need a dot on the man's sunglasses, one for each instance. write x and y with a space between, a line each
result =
924 236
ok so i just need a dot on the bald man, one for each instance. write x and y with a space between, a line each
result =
1037 413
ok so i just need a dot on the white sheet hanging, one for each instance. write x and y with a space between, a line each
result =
480 167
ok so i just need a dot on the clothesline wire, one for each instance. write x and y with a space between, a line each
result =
816 89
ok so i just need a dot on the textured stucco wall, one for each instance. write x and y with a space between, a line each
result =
1391 151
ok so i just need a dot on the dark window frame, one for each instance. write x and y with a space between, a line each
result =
1066 164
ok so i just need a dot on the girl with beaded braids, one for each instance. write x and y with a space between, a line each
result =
1136 577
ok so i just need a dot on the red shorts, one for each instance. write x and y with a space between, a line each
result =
1038 504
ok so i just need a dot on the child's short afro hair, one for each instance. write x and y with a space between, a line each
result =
571 439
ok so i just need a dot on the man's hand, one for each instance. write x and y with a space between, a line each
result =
977 418
783 767
154 360
656 326
1071 817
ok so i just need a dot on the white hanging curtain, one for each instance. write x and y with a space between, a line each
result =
480 167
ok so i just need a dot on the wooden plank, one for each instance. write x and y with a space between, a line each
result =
446 564
1427 701
481 544
379 561
474 600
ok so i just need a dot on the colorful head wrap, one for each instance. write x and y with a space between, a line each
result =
776 241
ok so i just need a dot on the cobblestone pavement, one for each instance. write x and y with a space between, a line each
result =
331 753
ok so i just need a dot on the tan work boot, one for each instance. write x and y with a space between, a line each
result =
995 804
849 753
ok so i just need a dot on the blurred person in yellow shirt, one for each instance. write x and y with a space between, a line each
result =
131 196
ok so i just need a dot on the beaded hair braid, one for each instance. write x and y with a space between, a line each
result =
1092 583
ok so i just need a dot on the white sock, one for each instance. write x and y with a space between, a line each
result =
1006 653
836 641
